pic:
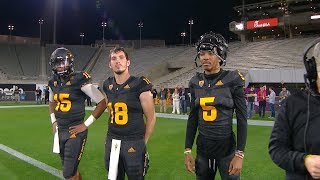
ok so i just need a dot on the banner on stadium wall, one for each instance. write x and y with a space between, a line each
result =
262 23
8 89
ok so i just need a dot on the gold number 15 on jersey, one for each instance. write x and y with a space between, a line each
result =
209 113
118 113
63 102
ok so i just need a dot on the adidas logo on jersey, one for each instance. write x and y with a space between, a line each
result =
131 150
68 83
72 136
126 87
219 83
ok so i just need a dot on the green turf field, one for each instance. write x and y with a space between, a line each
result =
28 130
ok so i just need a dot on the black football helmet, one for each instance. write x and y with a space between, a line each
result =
215 43
61 62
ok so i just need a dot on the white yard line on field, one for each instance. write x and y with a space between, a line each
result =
22 106
32 161
170 116
185 117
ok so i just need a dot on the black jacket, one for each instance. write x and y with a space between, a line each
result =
288 140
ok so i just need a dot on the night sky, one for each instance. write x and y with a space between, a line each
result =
163 19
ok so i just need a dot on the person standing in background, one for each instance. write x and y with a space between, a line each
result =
283 95
46 95
272 100
16 94
154 94
163 99
175 101
251 97
38 94
262 94
183 99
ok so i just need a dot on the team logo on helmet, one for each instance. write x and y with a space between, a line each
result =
201 83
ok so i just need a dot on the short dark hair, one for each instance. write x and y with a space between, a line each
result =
118 49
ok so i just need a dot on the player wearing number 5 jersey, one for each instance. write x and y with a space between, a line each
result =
67 94
129 99
215 94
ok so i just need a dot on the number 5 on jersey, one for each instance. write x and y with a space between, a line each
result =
63 102
209 113
118 112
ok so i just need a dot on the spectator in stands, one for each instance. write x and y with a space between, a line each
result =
283 95
175 101
295 142
262 101
251 98
163 99
272 100
46 95
183 99
38 94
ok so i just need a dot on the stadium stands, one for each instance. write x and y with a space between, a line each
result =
177 62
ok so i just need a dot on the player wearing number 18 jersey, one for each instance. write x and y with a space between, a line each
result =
129 98
215 94
67 93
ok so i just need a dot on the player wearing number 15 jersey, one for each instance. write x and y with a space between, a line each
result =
129 99
67 93
215 94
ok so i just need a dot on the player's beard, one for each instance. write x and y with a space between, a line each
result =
119 71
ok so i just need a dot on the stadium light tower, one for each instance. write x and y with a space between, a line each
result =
82 36
104 25
40 24
183 34
55 6
190 23
11 28
140 25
